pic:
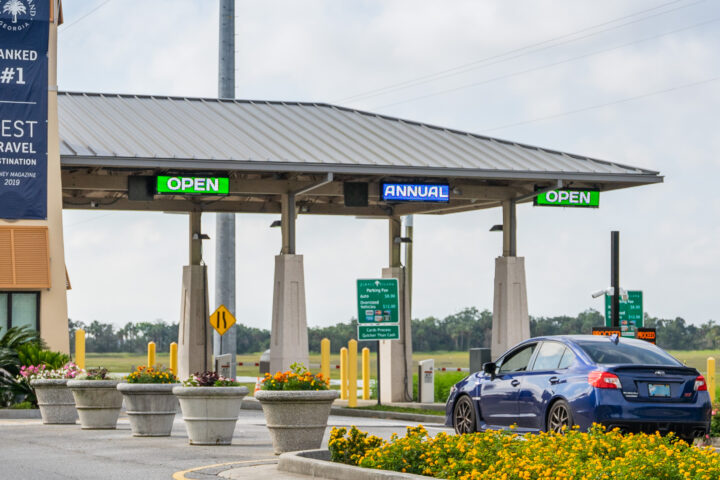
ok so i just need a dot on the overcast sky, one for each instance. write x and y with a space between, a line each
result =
631 82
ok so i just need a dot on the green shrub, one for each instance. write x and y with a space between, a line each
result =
23 406
32 354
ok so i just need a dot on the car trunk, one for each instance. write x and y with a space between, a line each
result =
656 383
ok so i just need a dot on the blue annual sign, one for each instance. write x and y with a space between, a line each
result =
415 192
24 31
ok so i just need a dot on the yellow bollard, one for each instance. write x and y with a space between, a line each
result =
711 378
343 373
352 373
80 348
366 373
151 354
173 358
325 358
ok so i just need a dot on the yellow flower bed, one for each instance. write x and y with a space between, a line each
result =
497 455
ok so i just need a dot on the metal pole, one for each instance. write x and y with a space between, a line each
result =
409 261
377 381
225 222
615 277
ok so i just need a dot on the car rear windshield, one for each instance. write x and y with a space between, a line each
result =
626 353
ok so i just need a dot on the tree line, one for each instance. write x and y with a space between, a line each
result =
460 331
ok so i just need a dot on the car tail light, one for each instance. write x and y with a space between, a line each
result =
599 379
700 384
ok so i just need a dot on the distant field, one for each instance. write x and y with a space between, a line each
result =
125 362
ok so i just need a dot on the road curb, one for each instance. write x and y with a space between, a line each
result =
17 414
249 403
317 464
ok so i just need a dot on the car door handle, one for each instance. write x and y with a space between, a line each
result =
515 383
554 380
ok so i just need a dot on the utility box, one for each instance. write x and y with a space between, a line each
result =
265 362
426 381
223 365
478 356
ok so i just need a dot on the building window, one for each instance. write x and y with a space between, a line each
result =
19 309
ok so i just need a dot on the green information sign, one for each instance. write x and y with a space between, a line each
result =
378 307
192 185
631 312
569 198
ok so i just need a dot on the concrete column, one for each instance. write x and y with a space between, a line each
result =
194 336
288 336
53 302
396 355
511 323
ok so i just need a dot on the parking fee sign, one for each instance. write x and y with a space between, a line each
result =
378 307
631 312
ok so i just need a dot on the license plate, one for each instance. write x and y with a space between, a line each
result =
659 390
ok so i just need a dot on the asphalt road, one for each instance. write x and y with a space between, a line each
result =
30 450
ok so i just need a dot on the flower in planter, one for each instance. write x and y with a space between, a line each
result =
209 379
143 374
297 378
67 371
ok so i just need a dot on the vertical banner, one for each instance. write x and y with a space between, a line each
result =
24 31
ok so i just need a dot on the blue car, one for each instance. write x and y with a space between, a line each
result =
547 383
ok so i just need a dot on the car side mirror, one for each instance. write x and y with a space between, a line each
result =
490 368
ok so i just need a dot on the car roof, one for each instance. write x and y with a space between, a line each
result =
584 338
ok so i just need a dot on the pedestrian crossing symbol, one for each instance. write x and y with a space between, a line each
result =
221 320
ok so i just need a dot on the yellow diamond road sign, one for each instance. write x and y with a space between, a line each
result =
222 320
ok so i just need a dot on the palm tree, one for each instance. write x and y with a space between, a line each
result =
14 8
10 342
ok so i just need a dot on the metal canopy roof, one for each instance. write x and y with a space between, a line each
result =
110 134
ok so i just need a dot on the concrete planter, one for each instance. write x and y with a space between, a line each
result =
55 400
296 419
210 413
97 402
150 407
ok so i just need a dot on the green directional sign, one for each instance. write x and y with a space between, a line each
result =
631 312
192 185
569 198
378 307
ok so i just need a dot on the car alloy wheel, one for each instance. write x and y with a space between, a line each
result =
464 416
559 417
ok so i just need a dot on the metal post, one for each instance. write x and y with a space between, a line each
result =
377 380
174 358
151 355
225 222
509 229
409 261
287 223
615 277
195 240
394 232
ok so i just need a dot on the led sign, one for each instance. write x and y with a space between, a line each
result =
193 185
569 198
415 192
